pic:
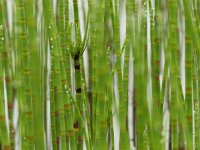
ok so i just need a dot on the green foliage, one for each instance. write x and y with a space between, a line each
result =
72 80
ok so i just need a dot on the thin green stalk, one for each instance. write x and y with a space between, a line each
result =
57 85
7 69
100 122
109 46
66 57
173 43
76 21
181 118
157 103
43 49
76 55
25 79
114 6
115 22
62 55
53 112
87 136
66 52
93 73
79 114
76 51
189 50
195 40
135 16
140 84
18 70
78 86
123 80
38 103
90 83
4 134
195 103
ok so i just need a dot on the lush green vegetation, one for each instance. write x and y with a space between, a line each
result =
100 74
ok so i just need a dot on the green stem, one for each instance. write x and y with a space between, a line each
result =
7 69
25 79
38 103
188 68
4 134
55 61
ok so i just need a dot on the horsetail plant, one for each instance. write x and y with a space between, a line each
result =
156 51
35 76
25 79
173 53
4 134
57 83
62 55
91 74
189 51
7 70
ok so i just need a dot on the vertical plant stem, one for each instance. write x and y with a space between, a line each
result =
140 84
62 55
38 102
76 56
195 104
25 76
7 70
52 111
57 86
173 43
66 57
188 67
4 134
155 50
93 67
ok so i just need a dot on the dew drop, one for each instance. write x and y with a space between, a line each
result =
49 27
2 38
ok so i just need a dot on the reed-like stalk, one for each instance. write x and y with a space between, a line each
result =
99 61
122 80
52 111
38 102
109 47
26 91
195 104
157 103
189 50
4 133
66 59
173 43
140 84
77 50
6 60
93 66
122 97
195 40
62 55
42 43
57 84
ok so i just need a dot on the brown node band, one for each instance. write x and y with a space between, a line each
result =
77 66
76 125
80 139
78 90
